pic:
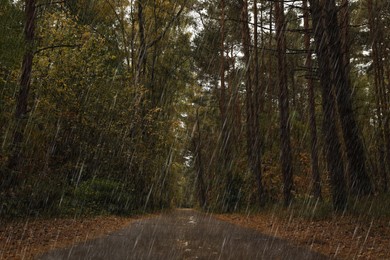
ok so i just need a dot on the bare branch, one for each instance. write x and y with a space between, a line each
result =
57 46
50 3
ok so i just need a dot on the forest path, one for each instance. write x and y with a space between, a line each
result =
184 234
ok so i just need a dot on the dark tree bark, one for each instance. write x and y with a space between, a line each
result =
383 133
332 147
262 67
271 81
315 170
258 93
197 142
155 96
142 53
286 157
245 36
222 98
359 181
226 140
132 38
21 112
344 31
252 99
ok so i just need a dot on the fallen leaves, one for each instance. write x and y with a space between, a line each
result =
30 238
345 237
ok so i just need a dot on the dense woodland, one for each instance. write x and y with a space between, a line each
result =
121 106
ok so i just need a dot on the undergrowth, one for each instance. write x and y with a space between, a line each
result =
308 208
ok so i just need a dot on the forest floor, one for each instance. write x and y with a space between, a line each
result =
342 237
25 239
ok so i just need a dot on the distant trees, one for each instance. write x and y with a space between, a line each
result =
276 49
136 93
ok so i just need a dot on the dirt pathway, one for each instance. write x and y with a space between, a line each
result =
184 234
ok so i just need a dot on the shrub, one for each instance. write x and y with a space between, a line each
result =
98 196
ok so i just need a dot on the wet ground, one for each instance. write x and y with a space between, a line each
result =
184 234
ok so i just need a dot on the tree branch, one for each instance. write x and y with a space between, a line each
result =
57 46
50 3
156 40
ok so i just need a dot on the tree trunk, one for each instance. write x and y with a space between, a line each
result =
142 53
200 186
245 36
262 67
345 41
315 170
222 99
252 100
257 103
332 145
286 157
21 112
132 38
225 146
359 182
379 85
271 83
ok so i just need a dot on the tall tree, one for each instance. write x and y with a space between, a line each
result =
225 143
142 53
257 103
359 181
286 156
375 25
332 145
197 142
252 90
316 184
21 111
344 21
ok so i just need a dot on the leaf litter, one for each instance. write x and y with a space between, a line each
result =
28 239
344 237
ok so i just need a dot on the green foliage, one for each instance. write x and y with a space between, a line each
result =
370 207
11 29
95 142
103 196
38 195
11 51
